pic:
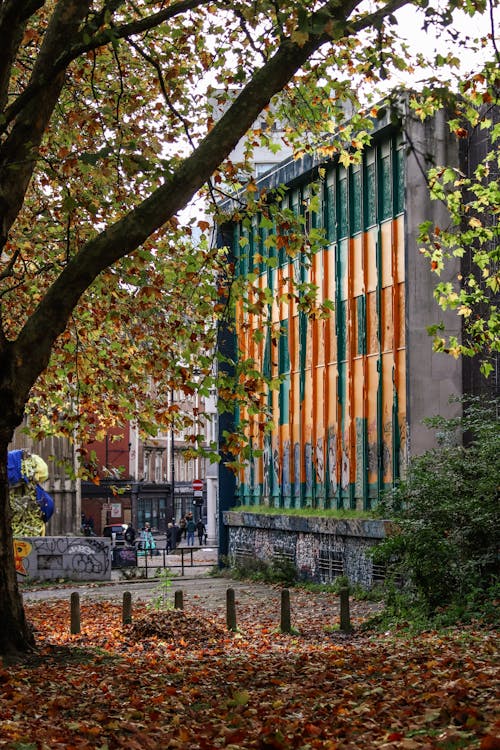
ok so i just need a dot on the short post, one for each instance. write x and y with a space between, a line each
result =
75 613
345 619
178 599
285 621
230 610
127 608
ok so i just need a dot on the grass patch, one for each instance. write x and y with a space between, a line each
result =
305 512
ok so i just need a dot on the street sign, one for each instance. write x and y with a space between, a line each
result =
197 485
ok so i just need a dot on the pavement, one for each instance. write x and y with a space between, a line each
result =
199 586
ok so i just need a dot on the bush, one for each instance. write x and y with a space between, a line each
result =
444 552
281 571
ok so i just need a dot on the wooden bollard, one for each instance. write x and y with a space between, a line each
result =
285 621
230 610
75 613
345 618
178 599
127 608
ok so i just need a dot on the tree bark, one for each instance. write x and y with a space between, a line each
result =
16 636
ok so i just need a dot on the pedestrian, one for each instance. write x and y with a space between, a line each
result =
174 535
148 542
130 535
201 530
171 537
178 533
182 526
190 529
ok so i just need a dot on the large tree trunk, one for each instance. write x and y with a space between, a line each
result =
15 633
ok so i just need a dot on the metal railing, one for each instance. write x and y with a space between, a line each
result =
132 557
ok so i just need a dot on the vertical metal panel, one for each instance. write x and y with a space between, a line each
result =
385 182
370 189
340 416
331 207
356 271
356 199
370 260
342 204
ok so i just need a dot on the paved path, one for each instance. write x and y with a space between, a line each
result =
210 590
198 584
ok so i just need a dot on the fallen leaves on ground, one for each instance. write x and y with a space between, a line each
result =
179 679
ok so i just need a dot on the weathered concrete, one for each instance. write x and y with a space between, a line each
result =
321 549
48 558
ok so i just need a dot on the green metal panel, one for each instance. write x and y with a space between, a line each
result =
284 369
266 365
302 354
396 437
380 415
385 182
361 314
370 192
399 191
253 243
343 205
331 211
356 200
365 489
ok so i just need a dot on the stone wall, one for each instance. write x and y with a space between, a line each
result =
51 557
321 549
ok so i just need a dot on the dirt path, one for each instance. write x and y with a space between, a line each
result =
256 603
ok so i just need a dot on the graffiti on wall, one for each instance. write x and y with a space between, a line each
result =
21 551
84 558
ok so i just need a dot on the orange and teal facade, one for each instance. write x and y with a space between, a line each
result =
356 384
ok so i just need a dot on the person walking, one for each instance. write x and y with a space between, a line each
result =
182 526
201 531
190 529
148 542
171 536
130 535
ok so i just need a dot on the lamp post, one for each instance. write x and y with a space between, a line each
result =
172 455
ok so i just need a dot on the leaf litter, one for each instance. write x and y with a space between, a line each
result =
180 679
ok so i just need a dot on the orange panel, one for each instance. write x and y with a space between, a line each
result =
399 239
387 390
356 271
386 237
371 416
371 259
371 323
387 321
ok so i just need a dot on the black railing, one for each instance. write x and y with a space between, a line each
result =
132 557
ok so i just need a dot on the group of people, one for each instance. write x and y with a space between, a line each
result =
186 529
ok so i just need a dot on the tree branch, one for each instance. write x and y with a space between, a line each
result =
112 33
35 341
19 152
13 18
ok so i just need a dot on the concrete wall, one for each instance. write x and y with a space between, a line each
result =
321 549
432 378
51 557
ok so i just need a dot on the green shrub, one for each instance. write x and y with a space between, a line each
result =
443 555
160 600
281 571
